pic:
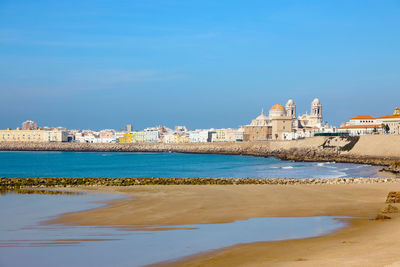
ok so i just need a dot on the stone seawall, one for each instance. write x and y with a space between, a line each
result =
16 183
339 149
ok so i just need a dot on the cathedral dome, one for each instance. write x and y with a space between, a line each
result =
277 107
277 110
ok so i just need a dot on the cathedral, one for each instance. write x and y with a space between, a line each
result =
283 119
311 121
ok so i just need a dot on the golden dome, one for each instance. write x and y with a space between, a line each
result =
278 107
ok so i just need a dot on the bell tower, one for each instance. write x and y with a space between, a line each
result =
316 110
290 109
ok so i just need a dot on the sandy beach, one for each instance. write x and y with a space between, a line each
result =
364 242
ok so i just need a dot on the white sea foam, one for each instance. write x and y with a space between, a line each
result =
334 174
287 167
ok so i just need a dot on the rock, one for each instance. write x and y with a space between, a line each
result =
394 167
390 209
381 217
393 197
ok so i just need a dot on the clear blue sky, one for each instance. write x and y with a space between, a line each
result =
102 64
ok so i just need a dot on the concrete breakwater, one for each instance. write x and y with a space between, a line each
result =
374 150
73 182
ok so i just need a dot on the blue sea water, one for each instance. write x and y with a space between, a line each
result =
23 241
116 165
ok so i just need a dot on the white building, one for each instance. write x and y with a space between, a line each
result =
391 122
200 136
152 135
86 137
366 124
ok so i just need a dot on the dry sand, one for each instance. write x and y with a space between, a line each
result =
364 242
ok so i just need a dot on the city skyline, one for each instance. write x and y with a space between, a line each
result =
208 65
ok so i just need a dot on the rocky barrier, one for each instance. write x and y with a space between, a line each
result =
73 182
332 149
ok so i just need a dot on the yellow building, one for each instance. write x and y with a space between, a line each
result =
127 138
221 135
180 139
33 136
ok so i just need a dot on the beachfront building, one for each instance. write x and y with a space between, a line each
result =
140 136
366 124
33 136
361 125
86 136
391 123
107 136
221 135
201 136
168 138
361 129
29 125
240 134
181 138
229 135
127 138
152 135
194 136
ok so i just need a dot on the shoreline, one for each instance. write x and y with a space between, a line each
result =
182 205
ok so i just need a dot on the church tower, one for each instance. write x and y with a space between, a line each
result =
290 109
291 112
316 110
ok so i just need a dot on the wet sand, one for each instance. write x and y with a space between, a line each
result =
364 242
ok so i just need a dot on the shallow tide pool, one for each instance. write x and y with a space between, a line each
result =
23 240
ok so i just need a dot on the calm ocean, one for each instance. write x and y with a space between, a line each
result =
115 165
